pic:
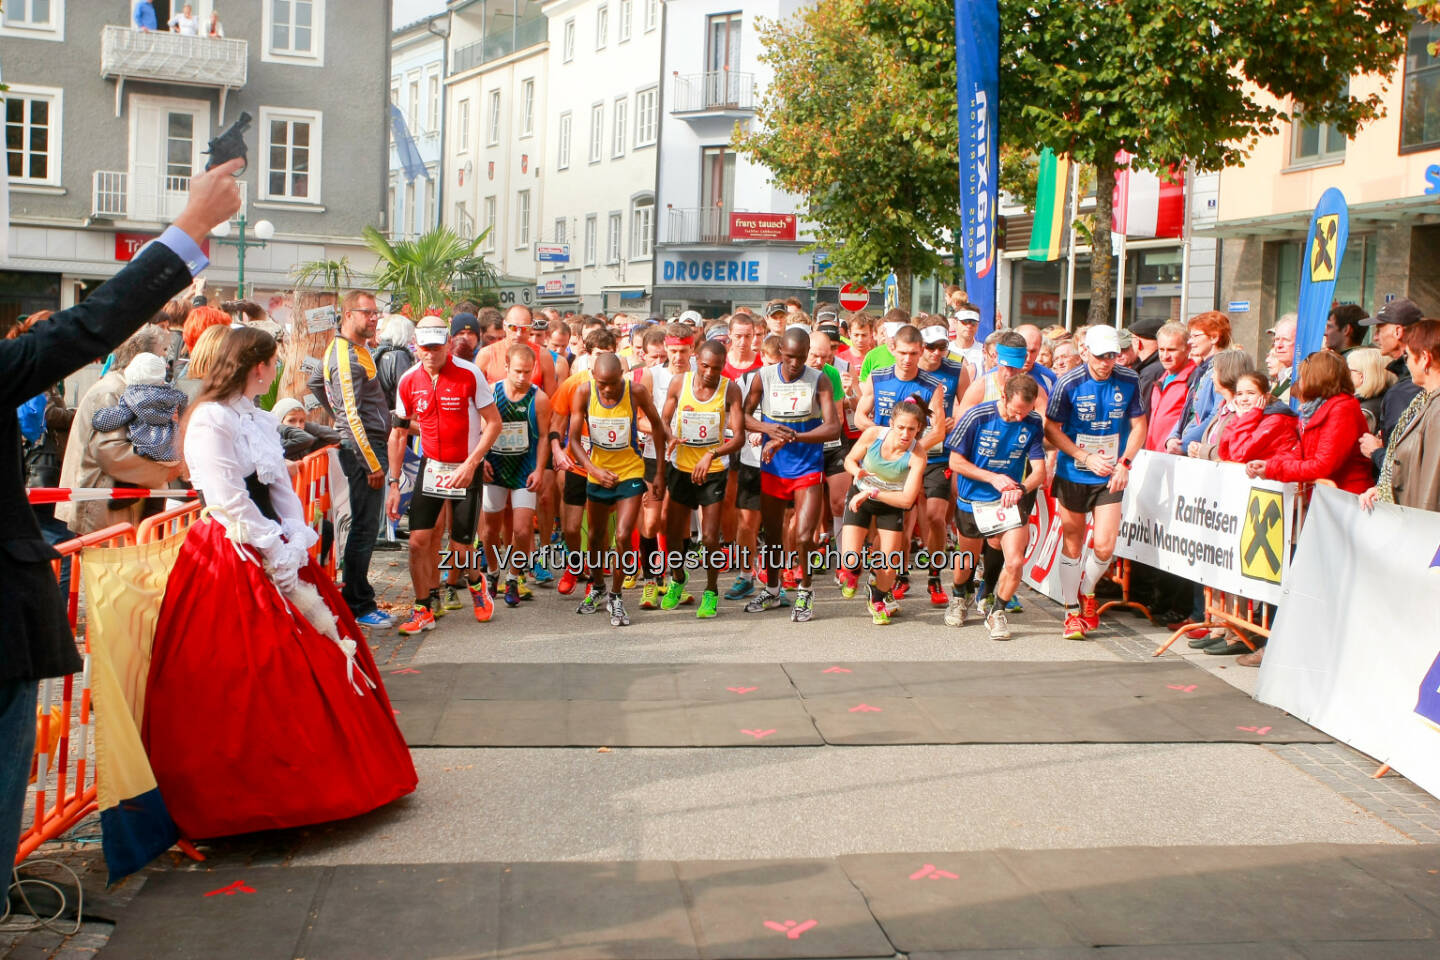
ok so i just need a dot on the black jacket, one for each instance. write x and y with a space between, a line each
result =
37 641
1150 371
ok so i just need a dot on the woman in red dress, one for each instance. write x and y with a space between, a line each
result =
264 708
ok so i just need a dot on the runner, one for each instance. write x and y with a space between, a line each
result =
861 340
845 381
746 483
453 409
607 406
964 324
991 449
939 480
1096 422
655 374
889 472
515 470
787 404
702 410
882 354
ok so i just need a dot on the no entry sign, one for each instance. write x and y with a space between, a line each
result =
854 296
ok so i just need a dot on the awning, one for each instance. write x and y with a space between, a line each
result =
1279 226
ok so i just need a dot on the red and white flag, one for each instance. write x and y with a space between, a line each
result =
1145 205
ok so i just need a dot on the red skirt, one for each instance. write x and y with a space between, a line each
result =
251 722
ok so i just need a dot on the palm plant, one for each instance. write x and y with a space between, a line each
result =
325 276
425 271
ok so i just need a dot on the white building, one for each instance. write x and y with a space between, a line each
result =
706 257
417 87
602 132
495 143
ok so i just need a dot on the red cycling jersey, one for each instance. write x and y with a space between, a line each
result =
446 408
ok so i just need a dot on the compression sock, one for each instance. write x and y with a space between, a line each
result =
648 547
1069 581
994 565
1094 573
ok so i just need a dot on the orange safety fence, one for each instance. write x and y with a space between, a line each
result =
174 521
312 486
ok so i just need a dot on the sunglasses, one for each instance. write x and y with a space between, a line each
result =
943 344
1105 356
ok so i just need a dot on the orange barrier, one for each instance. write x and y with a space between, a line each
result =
174 521
312 486
64 778
1119 573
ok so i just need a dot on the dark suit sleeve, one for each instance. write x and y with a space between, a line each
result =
70 339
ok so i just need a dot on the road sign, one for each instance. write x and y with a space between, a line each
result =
853 296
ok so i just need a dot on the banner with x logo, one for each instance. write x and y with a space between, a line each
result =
1321 257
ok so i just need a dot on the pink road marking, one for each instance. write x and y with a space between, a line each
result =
1261 731
837 670
758 734
931 872
792 929
742 690
1183 689
405 670
866 708
239 886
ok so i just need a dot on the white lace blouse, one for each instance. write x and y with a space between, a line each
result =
225 443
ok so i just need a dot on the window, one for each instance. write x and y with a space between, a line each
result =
597 131
724 42
411 223
490 224
591 229
617 142
642 222
652 14
559 229
412 114
602 26
527 108
624 13
37 19
432 116
1420 106
462 110
294 31
567 45
646 116
395 90
612 239
522 219
1315 143
32 134
394 212
717 180
562 147
179 145
462 221
290 154
429 213
492 126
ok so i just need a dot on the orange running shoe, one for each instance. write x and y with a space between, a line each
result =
480 597
1089 611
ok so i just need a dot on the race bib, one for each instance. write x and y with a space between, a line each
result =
699 429
991 517
438 481
833 444
514 437
850 419
791 399
610 433
1091 443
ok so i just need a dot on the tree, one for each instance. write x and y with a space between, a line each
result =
425 272
864 131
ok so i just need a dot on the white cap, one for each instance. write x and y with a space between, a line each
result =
145 368
691 317
967 316
797 325
889 328
1102 340
934 334
431 334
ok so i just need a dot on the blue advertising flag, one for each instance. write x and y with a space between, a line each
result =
1320 267
892 291
977 83
405 145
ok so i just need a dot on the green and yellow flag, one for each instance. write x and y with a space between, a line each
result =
1049 206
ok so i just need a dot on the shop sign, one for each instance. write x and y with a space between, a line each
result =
762 226
680 270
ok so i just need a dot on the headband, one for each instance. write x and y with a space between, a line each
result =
671 341
1011 356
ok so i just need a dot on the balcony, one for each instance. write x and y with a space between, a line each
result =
115 195
699 225
127 54
717 93
497 45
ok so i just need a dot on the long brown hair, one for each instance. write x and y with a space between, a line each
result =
242 350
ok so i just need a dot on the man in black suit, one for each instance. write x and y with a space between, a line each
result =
37 642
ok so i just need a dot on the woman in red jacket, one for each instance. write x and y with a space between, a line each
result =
1263 428
1331 424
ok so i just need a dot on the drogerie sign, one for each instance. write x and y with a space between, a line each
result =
762 226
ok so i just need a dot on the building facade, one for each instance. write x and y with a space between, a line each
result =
726 237
603 132
1389 173
106 123
417 88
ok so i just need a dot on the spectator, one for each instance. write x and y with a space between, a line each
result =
214 28
1209 333
1129 356
1282 346
95 458
1390 322
394 356
1228 368
1171 389
185 23
1264 427
192 376
1372 380
297 435
1147 349
1345 328
1410 472
1046 357
149 410
1330 428
144 18
200 319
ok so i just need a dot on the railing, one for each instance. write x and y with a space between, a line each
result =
714 92
113 199
697 225
172 58
498 45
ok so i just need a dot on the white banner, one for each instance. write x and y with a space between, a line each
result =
1208 522
1356 647
1042 555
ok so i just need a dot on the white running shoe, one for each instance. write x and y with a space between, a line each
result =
956 611
999 626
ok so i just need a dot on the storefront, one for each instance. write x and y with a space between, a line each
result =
715 282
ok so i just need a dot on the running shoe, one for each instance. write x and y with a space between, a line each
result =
709 605
741 588
649 595
803 609
1013 605
450 599
789 579
1074 627
616 606
892 604
376 620
675 594
524 588
765 600
437 605
420 619
591 603
879 615
938 597
1089 611
999 626
543 577
956 610
902 587
568 579
849 583
512 592
483 602
629 583
983 605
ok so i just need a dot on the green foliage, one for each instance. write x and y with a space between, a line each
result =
327 276
425 271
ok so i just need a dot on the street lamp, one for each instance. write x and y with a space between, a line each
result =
264 230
